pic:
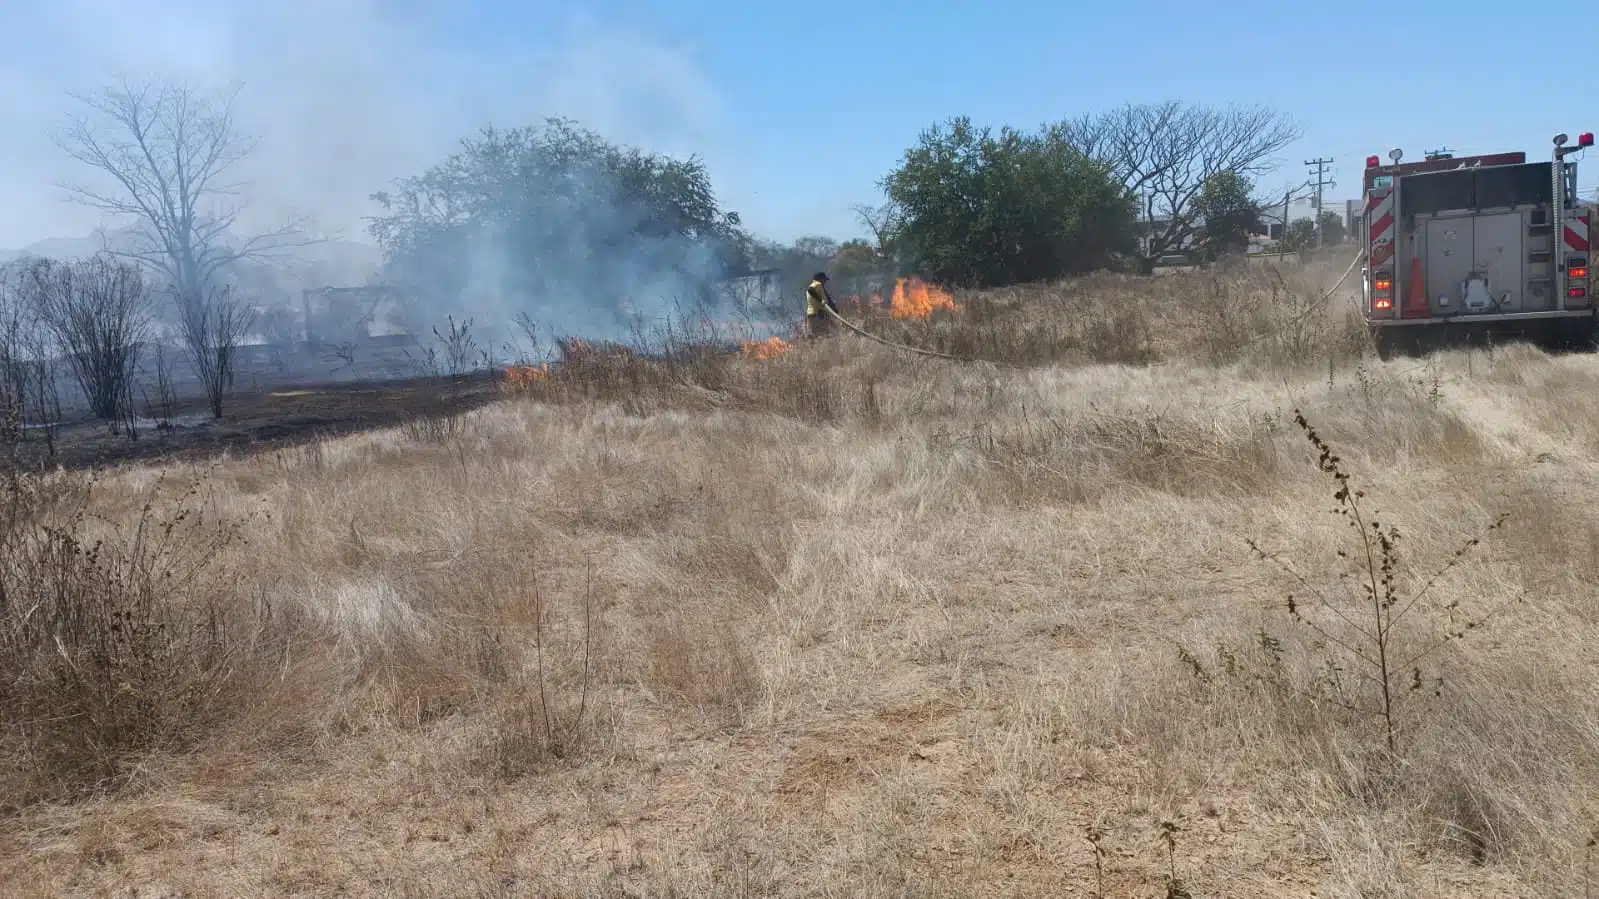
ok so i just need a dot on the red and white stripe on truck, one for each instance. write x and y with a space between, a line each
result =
1577 233
1380 249
1577 242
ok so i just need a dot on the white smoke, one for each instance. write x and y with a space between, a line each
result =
344 96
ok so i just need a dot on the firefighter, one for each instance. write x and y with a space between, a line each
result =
818 323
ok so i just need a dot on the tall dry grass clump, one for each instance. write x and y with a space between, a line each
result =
1261 315
114 644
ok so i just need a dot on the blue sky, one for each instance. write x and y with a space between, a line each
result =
798 108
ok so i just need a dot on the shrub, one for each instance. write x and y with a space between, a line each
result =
111 646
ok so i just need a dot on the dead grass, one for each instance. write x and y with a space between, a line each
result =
838 622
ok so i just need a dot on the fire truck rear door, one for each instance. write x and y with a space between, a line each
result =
1499 252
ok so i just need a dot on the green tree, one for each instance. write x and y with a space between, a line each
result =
979 209
1301 235
540 217
1228 215
856 258
1333 231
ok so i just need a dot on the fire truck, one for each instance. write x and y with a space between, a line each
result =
1477 245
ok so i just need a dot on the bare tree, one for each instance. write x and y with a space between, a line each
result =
1166 152
28 386
213 326
343 354
881 220
14 369
166 395
44 388
98 311
169 153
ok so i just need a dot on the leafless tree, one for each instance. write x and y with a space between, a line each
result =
880 220
168 153
344 354
14 368
165 404
212 327
1166 152
28 384
98 311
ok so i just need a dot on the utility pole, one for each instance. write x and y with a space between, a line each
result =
1321 183
1149 219
1282 236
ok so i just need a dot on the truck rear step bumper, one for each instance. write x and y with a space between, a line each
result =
1473 319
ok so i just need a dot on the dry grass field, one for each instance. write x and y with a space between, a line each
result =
844 622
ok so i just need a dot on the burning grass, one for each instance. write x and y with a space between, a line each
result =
770 348
833 620
912 299
1258 316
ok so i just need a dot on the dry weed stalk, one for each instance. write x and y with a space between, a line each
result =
541 727
1377 646
1168 839
1095 839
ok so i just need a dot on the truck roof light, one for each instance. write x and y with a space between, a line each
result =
1373 161
1585 139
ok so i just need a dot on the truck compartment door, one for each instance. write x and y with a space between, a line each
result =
1448 259
1500 252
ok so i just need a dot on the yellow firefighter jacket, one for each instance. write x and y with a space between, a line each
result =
815 298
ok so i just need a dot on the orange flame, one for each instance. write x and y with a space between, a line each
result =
915 298
521 377
770 348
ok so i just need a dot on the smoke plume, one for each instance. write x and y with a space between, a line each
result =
345 97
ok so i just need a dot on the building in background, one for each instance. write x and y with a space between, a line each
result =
1354 216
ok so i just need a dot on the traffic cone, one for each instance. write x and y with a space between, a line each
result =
1416 303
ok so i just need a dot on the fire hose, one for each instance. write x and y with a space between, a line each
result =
907 347
1327 295
1339 283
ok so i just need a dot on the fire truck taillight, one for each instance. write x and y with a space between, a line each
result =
1374 161
1578 271
1381 299
1577 293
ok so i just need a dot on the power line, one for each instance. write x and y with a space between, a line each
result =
1290 194
1322 182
